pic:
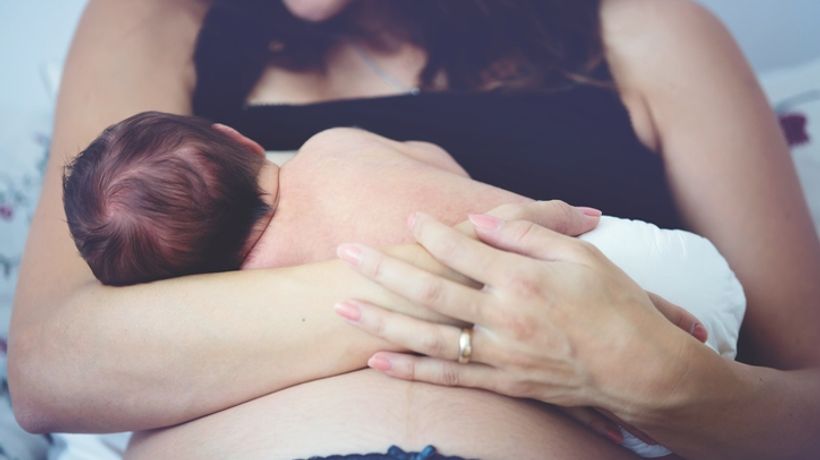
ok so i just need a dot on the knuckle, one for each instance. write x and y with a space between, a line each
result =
524 283
584 250
522 329
450 375
375 267
379 326
562 206
445 249
412 370
433 345
523 231
488 314
565 217
475 309
432 292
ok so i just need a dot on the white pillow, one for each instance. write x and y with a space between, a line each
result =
681 267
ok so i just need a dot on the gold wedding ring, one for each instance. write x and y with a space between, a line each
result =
465 345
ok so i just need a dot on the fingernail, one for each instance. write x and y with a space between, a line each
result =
348 311
350 253
379 363
699 332
590 212
485 222
614 435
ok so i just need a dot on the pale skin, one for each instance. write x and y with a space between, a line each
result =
679 73
706 407
70 336
336 162
318 191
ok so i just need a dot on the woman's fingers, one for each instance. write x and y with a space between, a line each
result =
440 372
595 421
461 253
431 339
434 292
680 317
554 215
530 239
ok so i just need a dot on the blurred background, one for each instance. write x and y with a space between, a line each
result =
781 38
773 34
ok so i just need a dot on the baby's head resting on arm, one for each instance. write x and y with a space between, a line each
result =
159 195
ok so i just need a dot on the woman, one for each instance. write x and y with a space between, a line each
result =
88 358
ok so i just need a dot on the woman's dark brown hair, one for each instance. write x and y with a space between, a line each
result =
474 44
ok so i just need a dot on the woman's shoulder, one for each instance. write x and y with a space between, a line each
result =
154 34
123 8
655 48
144 17
130 56
661 30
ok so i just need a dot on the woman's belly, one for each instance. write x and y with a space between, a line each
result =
363 412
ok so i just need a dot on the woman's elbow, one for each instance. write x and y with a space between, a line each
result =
30 390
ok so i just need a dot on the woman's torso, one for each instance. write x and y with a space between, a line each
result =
574 143
364 412
582 143
322 192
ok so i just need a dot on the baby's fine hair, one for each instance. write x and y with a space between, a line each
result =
159 195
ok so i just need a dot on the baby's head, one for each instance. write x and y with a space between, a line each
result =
158 195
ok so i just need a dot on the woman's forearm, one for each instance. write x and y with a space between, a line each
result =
723 409
87 358
113 359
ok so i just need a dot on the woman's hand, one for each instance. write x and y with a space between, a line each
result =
555 320
554 214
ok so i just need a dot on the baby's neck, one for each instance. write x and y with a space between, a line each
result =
269 183
269 186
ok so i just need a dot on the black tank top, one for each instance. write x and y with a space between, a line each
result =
574 143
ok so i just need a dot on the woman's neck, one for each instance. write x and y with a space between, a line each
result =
378 25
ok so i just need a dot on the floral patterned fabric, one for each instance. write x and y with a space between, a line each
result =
795 95
23 160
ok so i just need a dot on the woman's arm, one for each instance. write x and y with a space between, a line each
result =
734 181
565 326
84 357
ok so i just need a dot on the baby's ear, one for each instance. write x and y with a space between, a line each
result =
248 143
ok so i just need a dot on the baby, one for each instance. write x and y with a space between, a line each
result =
159 196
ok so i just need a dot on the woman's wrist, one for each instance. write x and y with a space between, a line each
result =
717 408
686 381
661 384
